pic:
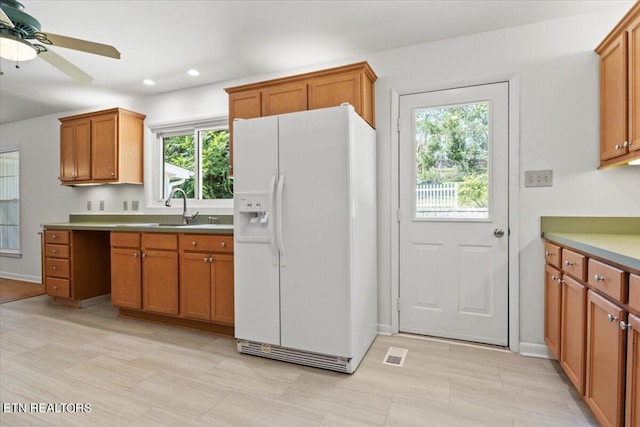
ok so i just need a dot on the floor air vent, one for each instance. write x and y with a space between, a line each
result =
395 356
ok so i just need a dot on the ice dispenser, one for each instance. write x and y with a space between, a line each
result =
252 223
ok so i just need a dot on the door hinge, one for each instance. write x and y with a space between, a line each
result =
398 215
398 304
398 124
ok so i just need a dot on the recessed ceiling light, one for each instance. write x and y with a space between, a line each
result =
193 72
148 82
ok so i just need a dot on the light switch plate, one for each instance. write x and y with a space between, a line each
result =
539 178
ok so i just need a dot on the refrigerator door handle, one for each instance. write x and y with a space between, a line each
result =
279 216
270 225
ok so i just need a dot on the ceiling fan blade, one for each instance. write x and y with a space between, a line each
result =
65 66
4 20
83 45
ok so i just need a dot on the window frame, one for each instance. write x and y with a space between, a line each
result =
5 252
155 193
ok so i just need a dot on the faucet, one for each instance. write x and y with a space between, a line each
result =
186 217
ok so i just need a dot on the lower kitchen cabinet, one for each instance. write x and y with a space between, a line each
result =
633 372
126 270
75 265
573 334
606 352
206 278
160 273
553 309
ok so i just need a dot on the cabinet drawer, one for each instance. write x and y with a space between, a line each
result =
58 287
608 280
197 242
57 236
159 241
552 254
574 264
125 240
634 291
57 267
56 251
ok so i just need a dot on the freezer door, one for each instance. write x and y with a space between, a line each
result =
315 277
256 271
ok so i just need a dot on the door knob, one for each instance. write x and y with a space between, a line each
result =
498 232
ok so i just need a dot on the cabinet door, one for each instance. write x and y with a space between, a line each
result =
126 278
331 91
573 331
222 289
82 140
634 85
552 309
104 149
285 98
195 285
613 99
242 105
160 281
606 348
67 152
633 373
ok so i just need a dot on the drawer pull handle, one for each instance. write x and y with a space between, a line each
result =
598 278
53 236
547 253
568 263
55 267
55 251
625 326
223 244
612 318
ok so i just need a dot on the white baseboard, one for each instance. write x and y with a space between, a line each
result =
384 329
535 350
22 277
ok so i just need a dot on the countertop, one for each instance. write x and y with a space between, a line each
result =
615 239
622 249
140 223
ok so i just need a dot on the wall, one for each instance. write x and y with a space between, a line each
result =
558 74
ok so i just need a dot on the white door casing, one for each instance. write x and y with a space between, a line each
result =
454 271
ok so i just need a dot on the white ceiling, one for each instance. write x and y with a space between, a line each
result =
226 40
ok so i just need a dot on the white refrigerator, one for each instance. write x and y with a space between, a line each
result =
305 243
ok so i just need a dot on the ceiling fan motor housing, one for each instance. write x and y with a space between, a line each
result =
25 25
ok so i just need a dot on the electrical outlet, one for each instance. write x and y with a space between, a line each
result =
540 178
125 205
88 205
101 205
134 205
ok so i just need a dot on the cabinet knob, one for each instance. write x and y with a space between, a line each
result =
223 244
598 278
624 326
567 262
54 236
193 243
547 253
144 255
55 288
135 254
55 251
206 259
612 318
210 259
54 267
113 174
620 147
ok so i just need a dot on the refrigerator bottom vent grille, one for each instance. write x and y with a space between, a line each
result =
323 361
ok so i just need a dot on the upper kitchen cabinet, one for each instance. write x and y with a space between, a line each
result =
104 147
353 84
620 92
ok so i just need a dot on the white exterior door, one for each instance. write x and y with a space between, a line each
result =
454 213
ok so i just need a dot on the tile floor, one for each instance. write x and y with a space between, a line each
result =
134 373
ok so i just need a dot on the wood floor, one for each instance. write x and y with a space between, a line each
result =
12 290
135 373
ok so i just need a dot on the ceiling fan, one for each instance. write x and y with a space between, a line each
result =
22 40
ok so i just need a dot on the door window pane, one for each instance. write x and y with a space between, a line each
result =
10 201
452 152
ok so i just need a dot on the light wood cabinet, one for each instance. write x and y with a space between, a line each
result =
160 273
632 415
552 309
102 147
126 270
619 92
75 265
606 354
573 331
206 278
353 84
